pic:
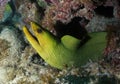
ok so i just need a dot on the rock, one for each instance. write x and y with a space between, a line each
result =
99 23
15 39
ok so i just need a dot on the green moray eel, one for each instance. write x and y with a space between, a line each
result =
65 52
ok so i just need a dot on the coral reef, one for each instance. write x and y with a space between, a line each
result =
20 63
112 51
65 10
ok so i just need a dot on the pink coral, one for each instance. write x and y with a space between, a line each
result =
65 10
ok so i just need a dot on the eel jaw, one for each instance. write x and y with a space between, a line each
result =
32 39
44 39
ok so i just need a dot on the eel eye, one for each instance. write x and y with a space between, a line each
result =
39 30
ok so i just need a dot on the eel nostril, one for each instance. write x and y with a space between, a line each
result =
39 30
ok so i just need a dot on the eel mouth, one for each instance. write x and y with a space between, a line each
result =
30 36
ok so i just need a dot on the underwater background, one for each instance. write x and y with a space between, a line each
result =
20 63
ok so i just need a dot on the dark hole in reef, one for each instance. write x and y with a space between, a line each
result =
119 2
104 11
73 28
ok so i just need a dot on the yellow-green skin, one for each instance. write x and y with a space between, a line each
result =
65 52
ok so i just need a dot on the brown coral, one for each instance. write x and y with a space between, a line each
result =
112 51
4 48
